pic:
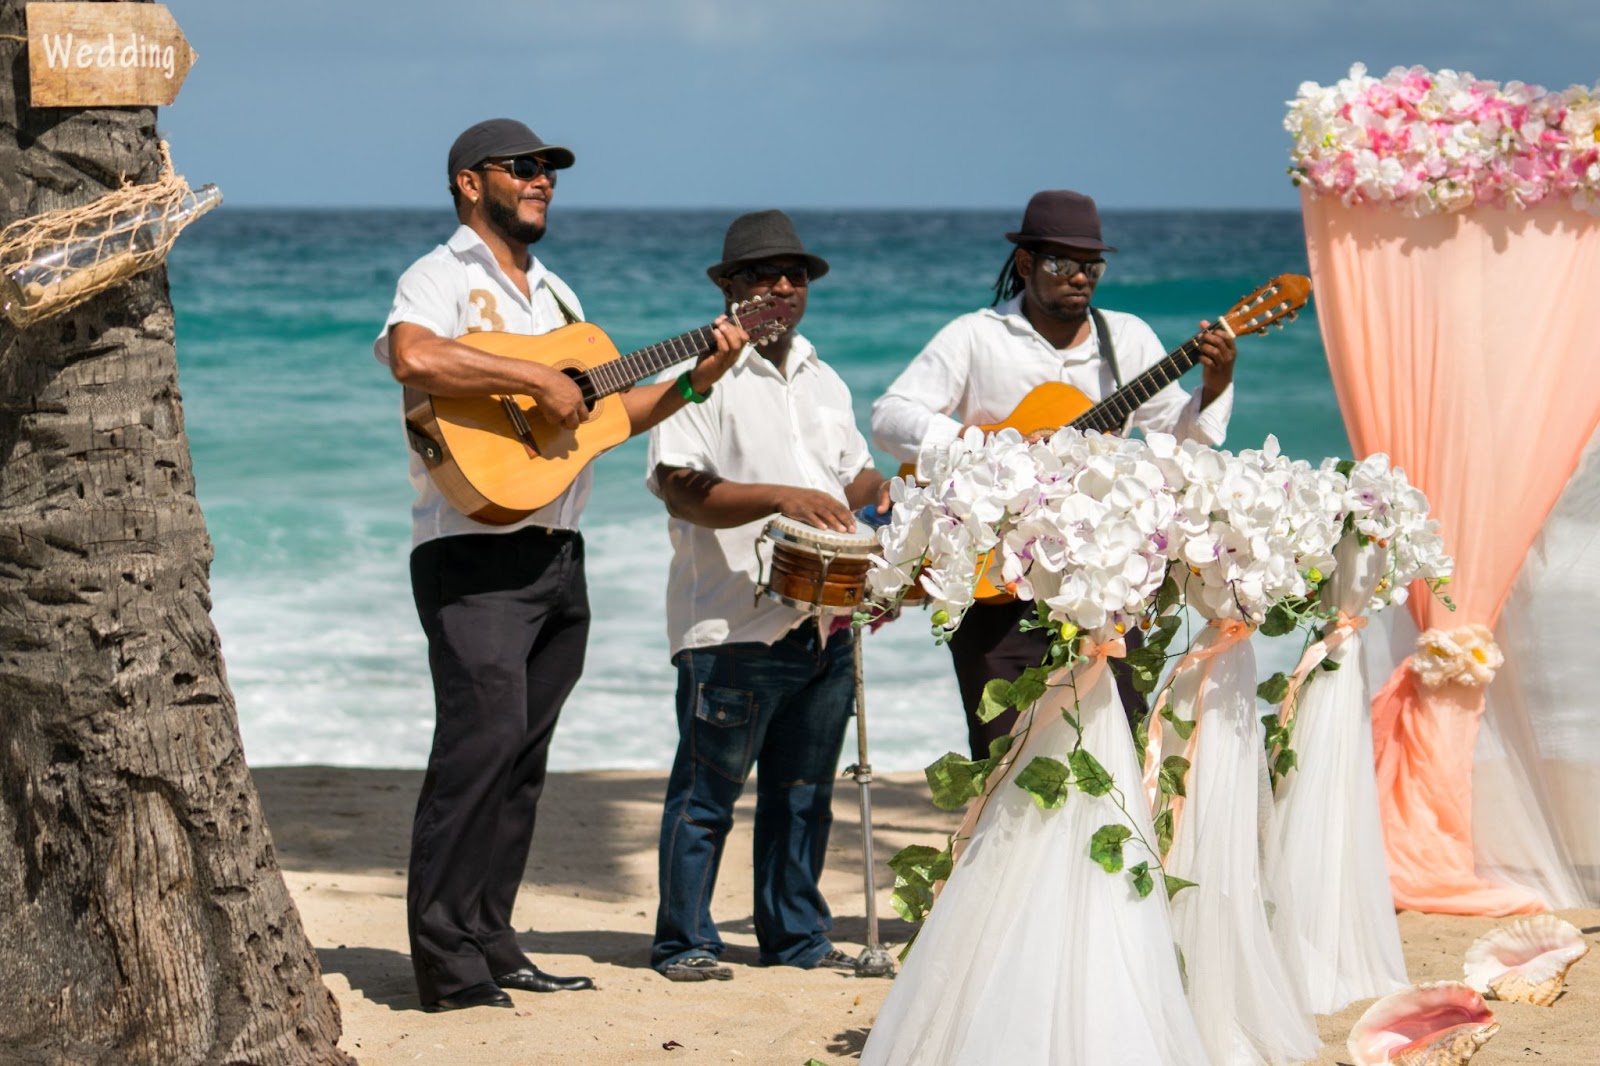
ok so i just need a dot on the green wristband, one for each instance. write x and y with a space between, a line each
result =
686 389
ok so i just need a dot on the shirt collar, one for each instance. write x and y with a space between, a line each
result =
802 353
1010 315
465 243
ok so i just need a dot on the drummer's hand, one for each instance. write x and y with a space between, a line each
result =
815 509
885 500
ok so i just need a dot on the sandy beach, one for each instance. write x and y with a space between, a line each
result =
588 904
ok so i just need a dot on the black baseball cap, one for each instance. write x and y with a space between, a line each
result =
499 138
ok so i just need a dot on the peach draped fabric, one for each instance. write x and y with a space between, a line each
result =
1463 346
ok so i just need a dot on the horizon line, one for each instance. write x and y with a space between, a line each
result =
812 208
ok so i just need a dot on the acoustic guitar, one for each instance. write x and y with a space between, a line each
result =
497 459
1056 405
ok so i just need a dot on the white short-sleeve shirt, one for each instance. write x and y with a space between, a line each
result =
791 427
977 369
456 289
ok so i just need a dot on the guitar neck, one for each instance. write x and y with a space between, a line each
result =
1112 413
628 370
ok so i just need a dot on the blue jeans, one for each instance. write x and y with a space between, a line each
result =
785 706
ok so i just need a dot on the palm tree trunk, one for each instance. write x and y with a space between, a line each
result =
143 917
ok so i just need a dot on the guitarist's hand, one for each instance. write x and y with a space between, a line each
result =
558 397
731 339
1217 352
815 508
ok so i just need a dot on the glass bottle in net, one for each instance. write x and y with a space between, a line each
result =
99 252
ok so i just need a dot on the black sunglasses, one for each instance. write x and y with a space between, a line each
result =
768 274
1065 266
522 167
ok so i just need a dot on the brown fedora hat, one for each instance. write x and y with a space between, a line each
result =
1059 216
763 235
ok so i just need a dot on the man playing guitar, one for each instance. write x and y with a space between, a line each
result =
981 366
504 606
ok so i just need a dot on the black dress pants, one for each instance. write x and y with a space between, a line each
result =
989 645
507 620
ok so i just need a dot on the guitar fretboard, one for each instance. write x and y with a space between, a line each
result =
623 372
1112 413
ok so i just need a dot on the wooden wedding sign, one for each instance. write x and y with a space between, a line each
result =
105 55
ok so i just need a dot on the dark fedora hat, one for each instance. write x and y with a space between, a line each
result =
1059 216
500 138
763 235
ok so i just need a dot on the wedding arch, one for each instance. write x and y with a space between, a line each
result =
1453 231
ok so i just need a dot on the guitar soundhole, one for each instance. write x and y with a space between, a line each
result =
580 378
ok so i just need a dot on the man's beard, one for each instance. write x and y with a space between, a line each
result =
505 219
1058 310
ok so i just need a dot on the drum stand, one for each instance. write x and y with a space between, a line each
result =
874 960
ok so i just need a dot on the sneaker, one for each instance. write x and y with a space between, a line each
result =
696 968
836 960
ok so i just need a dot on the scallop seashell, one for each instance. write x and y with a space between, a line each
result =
1439 1024
1526 961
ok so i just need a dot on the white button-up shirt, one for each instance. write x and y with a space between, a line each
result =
977 369
760 424
459 288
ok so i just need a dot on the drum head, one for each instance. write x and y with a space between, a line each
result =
862 541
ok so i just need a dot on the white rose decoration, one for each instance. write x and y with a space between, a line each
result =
1466 655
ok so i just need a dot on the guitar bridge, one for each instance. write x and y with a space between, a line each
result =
519 425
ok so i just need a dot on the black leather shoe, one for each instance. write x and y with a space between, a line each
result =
479 995
533 979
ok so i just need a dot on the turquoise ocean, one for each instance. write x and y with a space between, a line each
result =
300 460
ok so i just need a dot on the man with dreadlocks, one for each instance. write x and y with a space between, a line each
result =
977 369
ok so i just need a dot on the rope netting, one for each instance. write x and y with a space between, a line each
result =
55 261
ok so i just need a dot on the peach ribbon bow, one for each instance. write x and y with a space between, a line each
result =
1230 633
1344 627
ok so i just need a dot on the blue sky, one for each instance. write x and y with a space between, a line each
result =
821 103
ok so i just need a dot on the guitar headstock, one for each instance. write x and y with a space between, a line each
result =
764 318
1279 300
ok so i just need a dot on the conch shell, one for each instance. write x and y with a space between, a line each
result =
1439 1024
1526 961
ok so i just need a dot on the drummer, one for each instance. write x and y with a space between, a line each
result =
758 681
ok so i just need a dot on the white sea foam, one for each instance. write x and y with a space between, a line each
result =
334 670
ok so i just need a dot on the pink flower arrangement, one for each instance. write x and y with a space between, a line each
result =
1429 141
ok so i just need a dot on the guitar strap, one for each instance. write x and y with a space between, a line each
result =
1102 334
566 312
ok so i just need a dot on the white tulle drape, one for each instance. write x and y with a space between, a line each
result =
1536 765
1248 1007
1536 768
1034 955
1329 878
